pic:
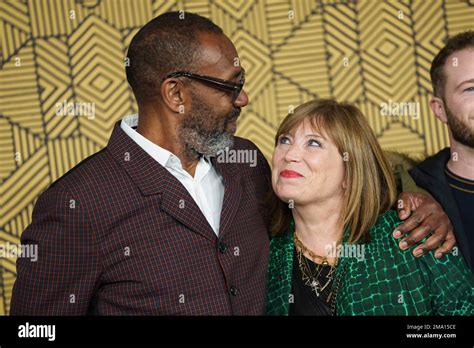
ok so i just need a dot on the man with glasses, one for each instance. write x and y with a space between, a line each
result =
153 224
159 226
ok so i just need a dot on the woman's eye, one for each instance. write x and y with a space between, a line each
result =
469 89
284 140
314 142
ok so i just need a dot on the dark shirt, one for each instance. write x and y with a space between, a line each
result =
463 191
305 301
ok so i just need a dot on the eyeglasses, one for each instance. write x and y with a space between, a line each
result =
225 85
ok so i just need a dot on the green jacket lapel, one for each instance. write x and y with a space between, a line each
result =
280 273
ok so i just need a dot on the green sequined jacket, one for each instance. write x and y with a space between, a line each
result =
383 280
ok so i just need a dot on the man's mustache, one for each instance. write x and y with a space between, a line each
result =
235 113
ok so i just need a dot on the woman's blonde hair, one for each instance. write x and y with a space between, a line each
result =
371 188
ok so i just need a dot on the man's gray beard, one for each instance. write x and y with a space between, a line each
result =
461 132
199 142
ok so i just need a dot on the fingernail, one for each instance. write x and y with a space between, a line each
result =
418 252
438 255
397 234
402 212
403 245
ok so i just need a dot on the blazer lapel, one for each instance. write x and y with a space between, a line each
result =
152 178
232 193
280 271
177 202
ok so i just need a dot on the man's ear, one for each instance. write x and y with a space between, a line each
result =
172 93
437 106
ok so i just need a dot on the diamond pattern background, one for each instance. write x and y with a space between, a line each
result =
366 52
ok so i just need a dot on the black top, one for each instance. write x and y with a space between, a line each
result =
305 301
463 191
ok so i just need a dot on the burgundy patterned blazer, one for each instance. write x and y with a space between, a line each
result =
119 235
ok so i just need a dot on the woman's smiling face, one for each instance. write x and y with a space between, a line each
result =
307 166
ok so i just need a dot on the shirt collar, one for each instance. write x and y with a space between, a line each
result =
161 155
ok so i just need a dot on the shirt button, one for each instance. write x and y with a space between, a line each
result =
234 291
222 247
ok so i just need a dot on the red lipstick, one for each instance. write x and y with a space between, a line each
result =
290 174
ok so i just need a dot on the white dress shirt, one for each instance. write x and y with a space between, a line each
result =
207 186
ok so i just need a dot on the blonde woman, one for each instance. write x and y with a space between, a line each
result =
332 251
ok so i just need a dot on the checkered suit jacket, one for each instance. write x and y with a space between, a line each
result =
119 235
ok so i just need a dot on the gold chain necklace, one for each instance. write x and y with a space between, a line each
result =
313 279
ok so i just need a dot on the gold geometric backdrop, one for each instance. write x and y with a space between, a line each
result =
372 53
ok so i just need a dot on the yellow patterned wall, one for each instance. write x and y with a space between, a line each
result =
368 52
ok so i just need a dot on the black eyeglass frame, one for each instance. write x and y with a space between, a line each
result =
215 82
